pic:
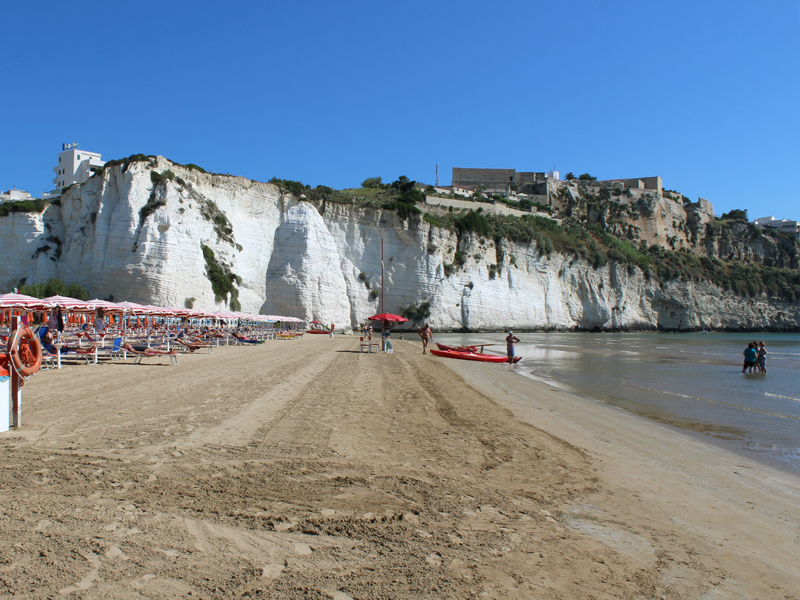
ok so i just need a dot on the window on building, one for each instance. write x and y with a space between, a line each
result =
79 156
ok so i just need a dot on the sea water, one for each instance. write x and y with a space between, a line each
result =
692 381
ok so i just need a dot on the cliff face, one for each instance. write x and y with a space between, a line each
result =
140 238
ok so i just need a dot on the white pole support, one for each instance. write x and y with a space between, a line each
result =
5 400
16 392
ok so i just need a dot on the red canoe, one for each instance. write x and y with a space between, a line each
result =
317 331
492 358
456 348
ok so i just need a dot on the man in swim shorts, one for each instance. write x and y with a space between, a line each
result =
425 333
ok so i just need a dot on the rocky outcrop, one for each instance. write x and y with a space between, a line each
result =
670 220
137 232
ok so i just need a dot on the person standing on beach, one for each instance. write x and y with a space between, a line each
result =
750 356
99 321
386 334
511 341
426 333
762 358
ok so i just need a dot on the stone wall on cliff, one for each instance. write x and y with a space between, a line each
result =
139 237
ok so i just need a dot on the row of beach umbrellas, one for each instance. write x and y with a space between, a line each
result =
31 304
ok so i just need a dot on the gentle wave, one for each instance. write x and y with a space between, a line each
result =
784 397
791 457
720 402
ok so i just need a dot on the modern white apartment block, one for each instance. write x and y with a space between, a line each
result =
74 166
786 225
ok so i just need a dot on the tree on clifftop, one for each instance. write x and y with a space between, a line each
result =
372 182
735 215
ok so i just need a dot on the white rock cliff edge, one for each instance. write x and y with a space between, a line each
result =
324 263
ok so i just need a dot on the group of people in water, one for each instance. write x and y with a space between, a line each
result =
755 358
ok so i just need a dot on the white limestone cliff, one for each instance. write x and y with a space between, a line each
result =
323 263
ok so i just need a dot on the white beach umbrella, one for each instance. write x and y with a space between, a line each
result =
107 306
24 302
69 304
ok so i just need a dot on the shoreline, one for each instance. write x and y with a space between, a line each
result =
735 486
659 329
689 429
306 467
756 444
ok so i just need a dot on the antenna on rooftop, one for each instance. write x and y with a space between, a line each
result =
437 174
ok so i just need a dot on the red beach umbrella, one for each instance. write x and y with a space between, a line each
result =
388 317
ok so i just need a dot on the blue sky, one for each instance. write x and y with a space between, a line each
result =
705 94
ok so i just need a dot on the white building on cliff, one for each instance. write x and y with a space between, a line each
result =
74 166
785 225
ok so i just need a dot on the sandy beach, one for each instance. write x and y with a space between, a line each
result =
305 469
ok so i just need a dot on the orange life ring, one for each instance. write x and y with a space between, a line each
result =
25 351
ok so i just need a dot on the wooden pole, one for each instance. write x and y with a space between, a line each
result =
383 310
16 393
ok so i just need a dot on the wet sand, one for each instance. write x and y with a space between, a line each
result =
304 469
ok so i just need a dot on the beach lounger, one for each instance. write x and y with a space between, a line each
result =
192 346
150 352
244 340
115 351
48 360
88 353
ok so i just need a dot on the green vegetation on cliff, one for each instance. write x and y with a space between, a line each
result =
54 287
22 206
223 281
590 242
